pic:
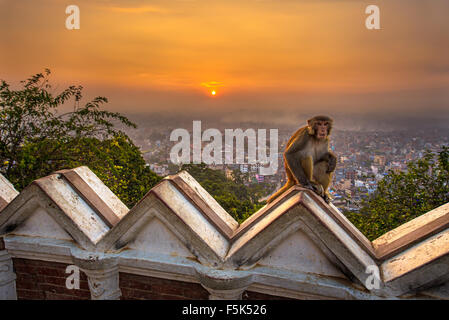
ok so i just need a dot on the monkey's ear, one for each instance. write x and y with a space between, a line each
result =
310 127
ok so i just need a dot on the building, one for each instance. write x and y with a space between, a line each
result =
178 243
379 160
161 170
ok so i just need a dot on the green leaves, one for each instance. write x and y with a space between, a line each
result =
36 139
403 196
237 198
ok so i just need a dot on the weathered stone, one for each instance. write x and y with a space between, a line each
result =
297 247
7 277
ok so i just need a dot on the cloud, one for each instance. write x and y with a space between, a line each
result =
137 10
212 84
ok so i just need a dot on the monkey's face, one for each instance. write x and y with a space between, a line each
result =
321 129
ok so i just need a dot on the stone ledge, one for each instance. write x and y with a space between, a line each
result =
7 192
197 231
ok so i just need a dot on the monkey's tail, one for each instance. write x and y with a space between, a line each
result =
287 186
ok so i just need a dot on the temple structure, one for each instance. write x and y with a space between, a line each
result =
178 243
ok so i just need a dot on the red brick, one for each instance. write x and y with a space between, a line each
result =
54 272
46 280
171 297
58 296
49 264
127 292
135 284
198 294
52 280
22 268
250 295
169 289
39 267
83 276
141 287
63 290
145 295
29 295
59 281
28 285
18 261
84 285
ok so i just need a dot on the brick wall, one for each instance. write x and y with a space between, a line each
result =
251 295
42 280
148 288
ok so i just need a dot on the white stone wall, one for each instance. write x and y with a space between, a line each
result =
297 247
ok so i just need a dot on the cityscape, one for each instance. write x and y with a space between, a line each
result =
364 157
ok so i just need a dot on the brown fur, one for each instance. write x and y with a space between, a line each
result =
308 160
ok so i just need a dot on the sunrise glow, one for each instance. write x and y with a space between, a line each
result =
172 54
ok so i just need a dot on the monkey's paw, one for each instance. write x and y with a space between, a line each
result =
327 198
315 187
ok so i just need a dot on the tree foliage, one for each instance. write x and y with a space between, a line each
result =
403 196
36 139
238 199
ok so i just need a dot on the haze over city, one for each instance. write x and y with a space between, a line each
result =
267 61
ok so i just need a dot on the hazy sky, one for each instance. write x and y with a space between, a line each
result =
256 54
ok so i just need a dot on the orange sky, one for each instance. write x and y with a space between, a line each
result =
266 54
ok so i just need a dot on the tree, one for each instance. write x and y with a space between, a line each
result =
239 200
36 139
403 196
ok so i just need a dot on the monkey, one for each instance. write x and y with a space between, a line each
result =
308 160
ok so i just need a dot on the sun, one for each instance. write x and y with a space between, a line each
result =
212 87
